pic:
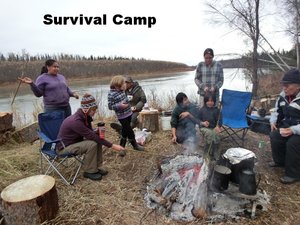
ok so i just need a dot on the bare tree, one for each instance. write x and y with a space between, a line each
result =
242 15
292 17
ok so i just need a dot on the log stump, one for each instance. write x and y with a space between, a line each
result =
6 127
6 120
149 119
31 201
26 134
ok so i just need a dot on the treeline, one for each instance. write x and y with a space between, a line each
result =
24 56
81 67
289 57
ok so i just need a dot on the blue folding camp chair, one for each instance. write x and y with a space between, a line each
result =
234 109
49 124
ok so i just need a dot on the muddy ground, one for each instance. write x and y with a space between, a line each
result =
118 197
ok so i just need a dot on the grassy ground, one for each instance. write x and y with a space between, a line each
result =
118 198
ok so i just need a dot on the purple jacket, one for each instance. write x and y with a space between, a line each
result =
53 88
77 127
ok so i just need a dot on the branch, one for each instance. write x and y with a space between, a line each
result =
249 35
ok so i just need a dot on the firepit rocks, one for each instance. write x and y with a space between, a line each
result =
183 191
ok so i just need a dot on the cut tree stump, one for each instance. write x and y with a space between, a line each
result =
6 127
26 134
6 120
30 201
149 119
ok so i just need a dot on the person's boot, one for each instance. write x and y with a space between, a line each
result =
123 141
117 127
92 176
135 145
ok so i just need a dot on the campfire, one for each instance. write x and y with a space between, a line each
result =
185 189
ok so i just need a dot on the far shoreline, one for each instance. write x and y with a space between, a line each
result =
10 88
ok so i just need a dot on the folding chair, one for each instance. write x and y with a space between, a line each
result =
49 124
234 106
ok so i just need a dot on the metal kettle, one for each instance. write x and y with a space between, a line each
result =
247 182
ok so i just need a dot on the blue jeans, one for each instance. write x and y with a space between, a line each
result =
65 109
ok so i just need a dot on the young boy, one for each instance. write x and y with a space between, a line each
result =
210 121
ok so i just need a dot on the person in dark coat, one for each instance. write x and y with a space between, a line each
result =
184 120
136 97
79 138
210 125
285 128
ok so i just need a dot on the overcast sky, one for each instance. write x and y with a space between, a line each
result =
181 32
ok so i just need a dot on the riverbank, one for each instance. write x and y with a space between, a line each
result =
9 88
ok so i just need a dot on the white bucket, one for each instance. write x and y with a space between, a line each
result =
165 122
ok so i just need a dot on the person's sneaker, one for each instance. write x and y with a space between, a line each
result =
93 176
102 172
288 180
117 127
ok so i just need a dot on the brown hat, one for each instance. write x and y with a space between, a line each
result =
128 79
208 51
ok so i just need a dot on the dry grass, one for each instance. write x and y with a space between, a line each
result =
118 198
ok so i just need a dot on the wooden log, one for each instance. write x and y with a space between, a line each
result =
149 119
6 120
26 134
30 201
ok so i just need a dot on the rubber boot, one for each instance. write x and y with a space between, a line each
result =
117 127
123 141
135 145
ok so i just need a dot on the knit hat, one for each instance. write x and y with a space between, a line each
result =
291 77
87 102
208 51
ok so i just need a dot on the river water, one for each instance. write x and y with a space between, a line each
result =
161 89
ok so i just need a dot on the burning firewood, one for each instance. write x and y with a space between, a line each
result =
199 213
182 188
158 198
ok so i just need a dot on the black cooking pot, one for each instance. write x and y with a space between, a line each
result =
246 164
220 178
247 182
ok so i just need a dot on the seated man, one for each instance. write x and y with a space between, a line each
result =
183 120
79 138
285 126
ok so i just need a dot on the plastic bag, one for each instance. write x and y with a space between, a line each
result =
143 136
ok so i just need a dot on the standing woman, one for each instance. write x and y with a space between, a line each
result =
53 87
118 101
